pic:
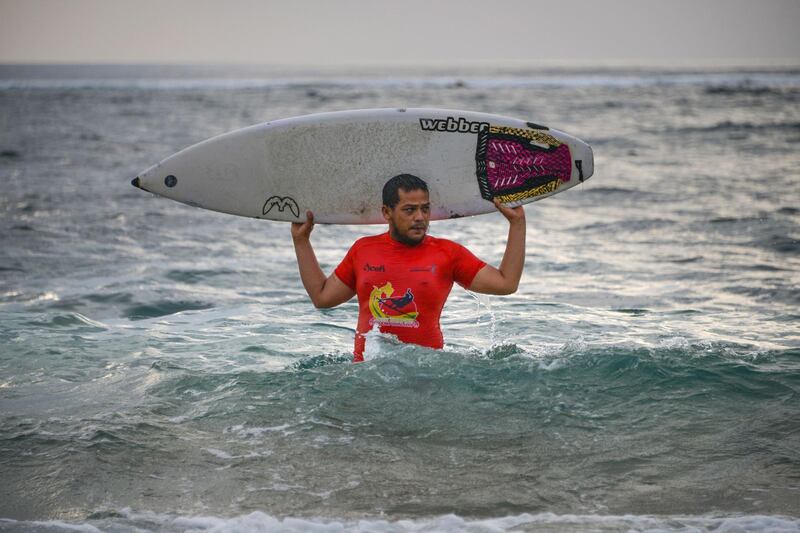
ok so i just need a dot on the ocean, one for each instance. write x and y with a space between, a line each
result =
162 369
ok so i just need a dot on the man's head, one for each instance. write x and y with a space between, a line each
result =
407 208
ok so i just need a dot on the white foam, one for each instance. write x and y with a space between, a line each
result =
376 342
47 525
259 522
485 300
554 364
672 343
222 454
257 432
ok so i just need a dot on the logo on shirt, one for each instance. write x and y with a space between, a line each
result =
426 268
392 310
372 268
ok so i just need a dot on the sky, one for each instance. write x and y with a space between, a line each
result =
368 32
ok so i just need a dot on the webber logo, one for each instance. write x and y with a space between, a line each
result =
452 124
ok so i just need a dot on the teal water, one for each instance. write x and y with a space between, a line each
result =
161 367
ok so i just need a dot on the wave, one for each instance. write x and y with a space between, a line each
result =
529 429
194 276
165 308
674 356
750 89
608 190
72 321
126 520
447 386
731 126
774 82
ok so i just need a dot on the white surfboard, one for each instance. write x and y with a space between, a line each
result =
335 165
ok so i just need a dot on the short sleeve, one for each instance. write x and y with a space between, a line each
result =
345 271
465 265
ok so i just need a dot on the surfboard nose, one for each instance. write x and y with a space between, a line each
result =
147 180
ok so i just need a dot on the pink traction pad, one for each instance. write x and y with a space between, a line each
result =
509 164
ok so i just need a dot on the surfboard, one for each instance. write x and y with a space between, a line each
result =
335 165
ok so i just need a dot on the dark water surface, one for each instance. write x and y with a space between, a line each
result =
161 367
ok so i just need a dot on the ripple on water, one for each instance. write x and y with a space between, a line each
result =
114 297
192 276
164 308
69 320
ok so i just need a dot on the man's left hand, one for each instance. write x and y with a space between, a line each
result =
512 214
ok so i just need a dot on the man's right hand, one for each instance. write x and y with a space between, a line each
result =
324 292
302 230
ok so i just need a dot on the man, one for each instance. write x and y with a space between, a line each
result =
403 277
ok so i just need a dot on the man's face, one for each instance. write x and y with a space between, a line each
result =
409 219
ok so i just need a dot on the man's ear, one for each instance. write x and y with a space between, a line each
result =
387 212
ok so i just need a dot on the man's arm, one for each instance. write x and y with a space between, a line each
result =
324 292
505 280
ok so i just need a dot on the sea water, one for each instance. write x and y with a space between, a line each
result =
162 369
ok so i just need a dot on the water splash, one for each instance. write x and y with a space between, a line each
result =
485 301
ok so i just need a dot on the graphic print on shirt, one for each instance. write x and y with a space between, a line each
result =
388 309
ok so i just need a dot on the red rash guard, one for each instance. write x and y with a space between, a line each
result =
403 288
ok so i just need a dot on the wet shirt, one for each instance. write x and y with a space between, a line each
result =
403 288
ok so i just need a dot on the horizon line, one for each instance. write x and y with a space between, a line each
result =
610 63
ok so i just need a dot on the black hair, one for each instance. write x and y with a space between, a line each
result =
407 182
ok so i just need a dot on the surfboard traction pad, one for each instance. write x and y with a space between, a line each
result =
515 164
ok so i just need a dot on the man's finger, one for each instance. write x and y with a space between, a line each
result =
509 212
500 207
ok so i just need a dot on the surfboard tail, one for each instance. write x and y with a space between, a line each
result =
518 165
